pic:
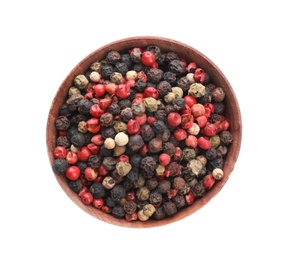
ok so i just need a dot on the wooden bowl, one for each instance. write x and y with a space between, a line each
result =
189 54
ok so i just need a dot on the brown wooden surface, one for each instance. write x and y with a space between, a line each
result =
189 54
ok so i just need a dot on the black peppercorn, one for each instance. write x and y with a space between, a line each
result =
117 193
75 185
148 164
84 106
169 148
179 103
64 110
135 142
184 83
207 97
130 207
159 127
140 85
221 151
164 186
118 211
109 163
154 75
108 132
82 166
151 183
126 114
62 123
170 77
125 58
133 175
109 202
135 159
60 166
171 56
155 145
179 201
106 119
199 189
170 208
106 70
124 103
121 67
147 132
78 139
77 118
94 161
218 107
73 101
164 87
226 137
114 109
113 57
177 67
155 197
105 152
63 141
161 115
159 214
97 190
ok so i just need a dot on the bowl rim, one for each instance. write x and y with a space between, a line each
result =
186 51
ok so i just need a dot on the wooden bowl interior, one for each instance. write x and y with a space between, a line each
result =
189 54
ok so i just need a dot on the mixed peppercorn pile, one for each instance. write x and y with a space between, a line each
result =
142 134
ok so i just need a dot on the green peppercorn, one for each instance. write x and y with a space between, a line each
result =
148 210
215 141
123 168
195 165
73 90
81 81
151 104
189 154
143 193
119 126
196 90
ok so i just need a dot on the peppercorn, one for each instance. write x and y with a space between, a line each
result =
75 185
215 141
211 153
179 201
123 168
138 108
226 137
159 214
170 208
114 109
154 75
164 186
142 216
60 166
147 133
80 81
97 190
130 207
221 151
178 183
151 183
148 210
62 123
106 119
215 163
109 163
218 94
155 145
148 164
218 107
217 173
170 77
189 154
168 148
135 142
199 189
119 150
151 104
106 70
108 132
109 202
195 166
159 127
78 139
118 211
117 193
143 193
126 114
63 141
108 182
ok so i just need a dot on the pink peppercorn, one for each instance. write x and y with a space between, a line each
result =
164 159
204 143
199 75
122 91
60 152
174 119
97 203
210 130
191 141
86 198
180 134
209 181
198 110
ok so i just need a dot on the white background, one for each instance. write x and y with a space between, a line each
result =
41 42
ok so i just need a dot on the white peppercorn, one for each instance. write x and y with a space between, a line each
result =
131 74
190 77
194 129
178 92
121 139
109 143
195 165
108 182
94 76
217 173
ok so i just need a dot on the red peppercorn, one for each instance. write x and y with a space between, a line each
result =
142 76
97 139
209 109
186 110
210 130
151 92
204 143
191 67
143 150
72 173
82 191
96 111
97 203
111 88
83 153
90 174
191 141
190 198
190 100
102 171
209 181
98 90
148 58
164 159
155 65
180 134
122 91
105 209
199 75
93 125
60 152
86 198
172 193
89 94
202 121
174 119
151 120
104 103
71 157
133 127
123 158
130 83
198 110
141 120
131 217
187 121
130 196
93 148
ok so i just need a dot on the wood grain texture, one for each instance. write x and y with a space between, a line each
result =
189 54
